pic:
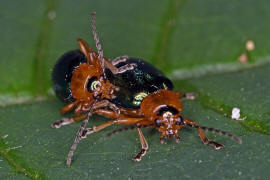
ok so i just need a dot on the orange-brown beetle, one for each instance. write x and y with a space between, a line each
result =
88 85
161 110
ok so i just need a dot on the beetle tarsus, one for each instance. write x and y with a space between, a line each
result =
216 145
86 132
139 156
119 59
177 139
126 67
61 122
161 140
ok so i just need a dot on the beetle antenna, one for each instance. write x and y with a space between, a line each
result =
79 134
218 131
98 45
126 128
116 131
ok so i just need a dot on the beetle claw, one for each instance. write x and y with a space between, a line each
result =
162 141
177 139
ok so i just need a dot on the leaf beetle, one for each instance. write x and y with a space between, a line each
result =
161 110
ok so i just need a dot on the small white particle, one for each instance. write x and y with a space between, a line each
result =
5 136
243 58
236 114
118 168
239 173
200 161
250 45
16 147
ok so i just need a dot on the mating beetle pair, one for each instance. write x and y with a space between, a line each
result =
129 90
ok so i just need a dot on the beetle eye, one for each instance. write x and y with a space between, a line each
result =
179 121
158 123
92 84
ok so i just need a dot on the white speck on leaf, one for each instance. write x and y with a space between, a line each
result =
16 147
250 45
236 114
243 58
5 136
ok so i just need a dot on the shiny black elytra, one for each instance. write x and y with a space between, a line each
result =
63 71
134 84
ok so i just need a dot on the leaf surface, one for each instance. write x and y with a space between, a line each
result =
195 43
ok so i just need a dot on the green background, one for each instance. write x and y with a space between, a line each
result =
195 43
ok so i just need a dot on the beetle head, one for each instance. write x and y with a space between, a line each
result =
168 121
163 108
88 83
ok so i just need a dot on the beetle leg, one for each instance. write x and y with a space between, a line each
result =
117 110
144 145
68 107
106 113
125 68
121 120
106 103
102 126
177 138
119 70
161 139
131 112
118 60
203 137
66 121
113 107
96 129
78 109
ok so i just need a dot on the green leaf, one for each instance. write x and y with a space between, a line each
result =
196 43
